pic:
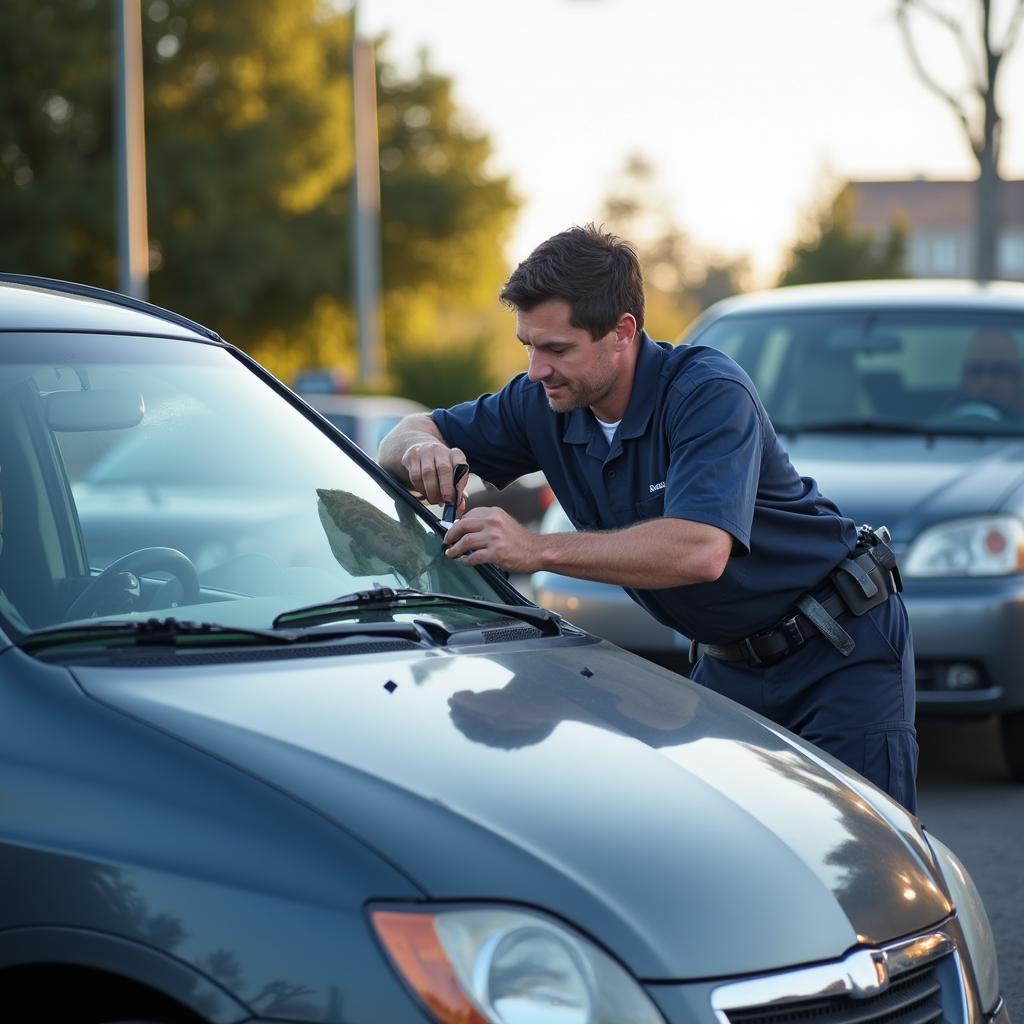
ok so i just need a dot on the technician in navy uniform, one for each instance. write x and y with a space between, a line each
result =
668 466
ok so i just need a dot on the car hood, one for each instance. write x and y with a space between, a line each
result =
910 482
681 831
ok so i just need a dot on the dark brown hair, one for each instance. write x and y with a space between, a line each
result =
596 272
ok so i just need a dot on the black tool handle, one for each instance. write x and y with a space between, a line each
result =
448 512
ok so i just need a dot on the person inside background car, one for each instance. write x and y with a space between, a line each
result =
992 378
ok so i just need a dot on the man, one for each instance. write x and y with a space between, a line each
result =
666 462
991 378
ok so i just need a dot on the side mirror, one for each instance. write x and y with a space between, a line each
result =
70 411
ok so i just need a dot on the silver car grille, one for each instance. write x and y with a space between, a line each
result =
918 981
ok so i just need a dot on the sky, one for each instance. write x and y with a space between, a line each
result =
746 108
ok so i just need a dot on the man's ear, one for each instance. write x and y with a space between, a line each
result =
625 331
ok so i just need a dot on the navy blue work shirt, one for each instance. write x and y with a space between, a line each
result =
695 443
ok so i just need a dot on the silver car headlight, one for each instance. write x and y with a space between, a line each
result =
497 966
970 912
980 546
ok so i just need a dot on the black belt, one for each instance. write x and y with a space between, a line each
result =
858 584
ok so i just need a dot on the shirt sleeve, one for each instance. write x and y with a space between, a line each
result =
491 431
716 441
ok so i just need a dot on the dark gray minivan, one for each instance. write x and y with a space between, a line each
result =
267 755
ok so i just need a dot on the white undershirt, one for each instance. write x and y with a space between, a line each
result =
608 428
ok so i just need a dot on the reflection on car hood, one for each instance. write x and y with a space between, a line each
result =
910 482
676 828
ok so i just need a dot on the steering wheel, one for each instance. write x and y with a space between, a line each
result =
169 560
978 410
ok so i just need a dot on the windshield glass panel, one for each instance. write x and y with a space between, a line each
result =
143 476
933 372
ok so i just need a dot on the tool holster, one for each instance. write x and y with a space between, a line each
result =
859 583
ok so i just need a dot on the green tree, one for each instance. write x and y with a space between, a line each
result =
444 376
445 223
834 250
248 121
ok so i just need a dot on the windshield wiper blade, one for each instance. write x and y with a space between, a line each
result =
855 426
167 633
388 598
148 631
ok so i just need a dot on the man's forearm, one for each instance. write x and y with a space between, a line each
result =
652 555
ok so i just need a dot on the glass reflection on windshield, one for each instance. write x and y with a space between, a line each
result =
113 509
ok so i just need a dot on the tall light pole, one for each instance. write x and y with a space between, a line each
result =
366 205
130 153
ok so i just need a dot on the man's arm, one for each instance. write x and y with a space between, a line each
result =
416 453
651 555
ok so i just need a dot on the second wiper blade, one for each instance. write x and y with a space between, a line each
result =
168 632
854 426
386 597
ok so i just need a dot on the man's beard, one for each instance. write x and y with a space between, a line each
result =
578 396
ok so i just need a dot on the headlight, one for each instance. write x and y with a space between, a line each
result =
985 546
970 912
496 966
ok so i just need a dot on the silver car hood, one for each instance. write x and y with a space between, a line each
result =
909 483
684 833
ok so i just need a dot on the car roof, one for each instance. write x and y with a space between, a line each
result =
45 304
995 297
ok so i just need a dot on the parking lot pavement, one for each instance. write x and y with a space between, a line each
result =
969 802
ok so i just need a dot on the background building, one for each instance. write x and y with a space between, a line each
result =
938 217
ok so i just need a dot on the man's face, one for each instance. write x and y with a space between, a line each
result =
992 371
576 370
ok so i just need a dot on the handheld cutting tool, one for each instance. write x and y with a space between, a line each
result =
448 512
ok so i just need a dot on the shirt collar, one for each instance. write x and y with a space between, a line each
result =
645 385
581 425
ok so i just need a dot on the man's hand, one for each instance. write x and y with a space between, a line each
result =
491 536
416 453
430 465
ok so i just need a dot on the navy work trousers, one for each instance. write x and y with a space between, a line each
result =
860 709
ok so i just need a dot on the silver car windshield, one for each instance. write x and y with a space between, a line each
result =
948 372
146 477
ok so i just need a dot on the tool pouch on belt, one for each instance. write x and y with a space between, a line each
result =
867 578
861 582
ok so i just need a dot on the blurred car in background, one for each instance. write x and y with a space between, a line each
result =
605 609
365 419
526 499
905 401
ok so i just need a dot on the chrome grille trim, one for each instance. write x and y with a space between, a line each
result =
864 973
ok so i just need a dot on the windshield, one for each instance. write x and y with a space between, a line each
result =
936 372
145 477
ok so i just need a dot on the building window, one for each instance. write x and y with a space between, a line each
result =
1011 254
945 255
917 259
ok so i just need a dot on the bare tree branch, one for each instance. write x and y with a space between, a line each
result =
986 135
922 72
974 70
1013 30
